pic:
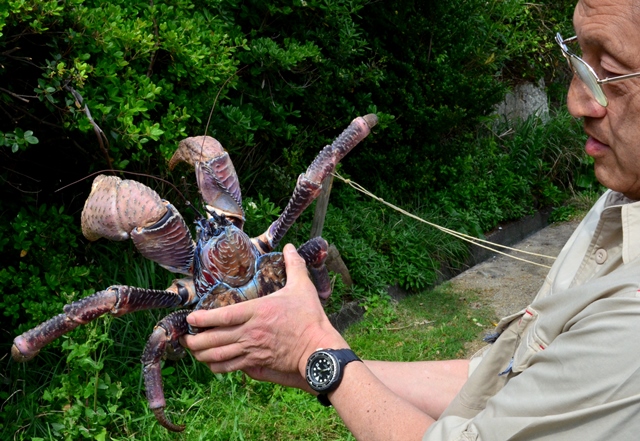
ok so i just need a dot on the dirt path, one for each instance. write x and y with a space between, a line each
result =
508 285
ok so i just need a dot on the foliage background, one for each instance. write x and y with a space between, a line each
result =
87 85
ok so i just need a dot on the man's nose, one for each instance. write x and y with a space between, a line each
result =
581 102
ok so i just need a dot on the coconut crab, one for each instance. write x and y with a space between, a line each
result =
221 267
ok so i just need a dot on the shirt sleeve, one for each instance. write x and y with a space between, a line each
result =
584 386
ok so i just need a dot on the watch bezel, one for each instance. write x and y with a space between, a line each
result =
332 382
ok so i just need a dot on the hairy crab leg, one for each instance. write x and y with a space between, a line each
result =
309 183
116 300
165 335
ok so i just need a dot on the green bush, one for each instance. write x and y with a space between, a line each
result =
41 270
284 77
531 165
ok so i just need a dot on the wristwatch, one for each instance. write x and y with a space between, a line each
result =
325 368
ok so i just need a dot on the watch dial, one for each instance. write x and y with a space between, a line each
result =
321 371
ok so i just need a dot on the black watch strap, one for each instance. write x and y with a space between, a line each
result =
344 356
324 400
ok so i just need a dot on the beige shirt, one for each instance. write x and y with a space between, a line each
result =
568 366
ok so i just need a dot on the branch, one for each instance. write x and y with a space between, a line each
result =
156 46
14 95
400 328
102 138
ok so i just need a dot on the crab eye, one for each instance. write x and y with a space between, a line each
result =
183 292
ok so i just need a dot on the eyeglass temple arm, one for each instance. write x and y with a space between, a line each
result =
620 78
606 80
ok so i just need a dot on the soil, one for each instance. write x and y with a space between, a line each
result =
508 285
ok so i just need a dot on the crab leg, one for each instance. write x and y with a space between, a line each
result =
314 252
309 183
115 300
166 332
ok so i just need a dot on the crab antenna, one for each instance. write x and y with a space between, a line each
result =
186 201
195 210
215 101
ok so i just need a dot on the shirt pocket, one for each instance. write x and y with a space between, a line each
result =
530 344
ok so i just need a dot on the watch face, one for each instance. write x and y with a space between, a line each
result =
322 370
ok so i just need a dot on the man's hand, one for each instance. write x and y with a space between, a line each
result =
269 338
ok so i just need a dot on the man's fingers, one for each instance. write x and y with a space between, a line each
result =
228 316
211 338
235 364
222 356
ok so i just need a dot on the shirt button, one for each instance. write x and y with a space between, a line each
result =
601 256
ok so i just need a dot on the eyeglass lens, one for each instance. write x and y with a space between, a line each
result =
587 76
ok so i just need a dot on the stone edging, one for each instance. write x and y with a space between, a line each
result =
507 234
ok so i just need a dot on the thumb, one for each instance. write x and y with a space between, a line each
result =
295 265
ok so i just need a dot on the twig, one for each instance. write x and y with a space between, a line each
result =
41 121
14 95
102 138
9 51
17 187
155 46
400 328
21 174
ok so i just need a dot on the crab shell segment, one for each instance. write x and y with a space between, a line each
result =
225 254
120 209
167 242
217 178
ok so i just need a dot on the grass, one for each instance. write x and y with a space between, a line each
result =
433 325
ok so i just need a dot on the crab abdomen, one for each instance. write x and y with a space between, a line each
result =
224 254
270 276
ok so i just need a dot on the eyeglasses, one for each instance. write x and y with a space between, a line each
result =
586 72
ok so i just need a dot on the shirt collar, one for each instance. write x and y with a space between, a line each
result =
630 219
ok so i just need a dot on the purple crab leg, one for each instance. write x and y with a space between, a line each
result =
166 332
116 300
309 183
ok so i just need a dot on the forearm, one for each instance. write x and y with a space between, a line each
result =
428 385
374 412
392 400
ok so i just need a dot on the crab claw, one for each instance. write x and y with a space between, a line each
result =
115 207
216 176
121 209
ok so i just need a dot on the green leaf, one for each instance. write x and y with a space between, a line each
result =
102 436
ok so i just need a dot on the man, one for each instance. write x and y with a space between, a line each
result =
567 367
